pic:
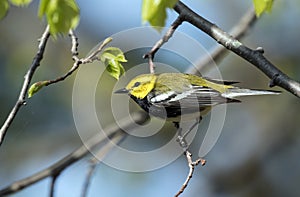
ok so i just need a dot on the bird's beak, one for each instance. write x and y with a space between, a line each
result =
121 91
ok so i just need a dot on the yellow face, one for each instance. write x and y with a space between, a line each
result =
141 85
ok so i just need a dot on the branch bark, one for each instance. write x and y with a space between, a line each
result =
27 79
77 61
255 57
150 55
36 63
54 170
191 165
98 157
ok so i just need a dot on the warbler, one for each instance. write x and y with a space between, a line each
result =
179 96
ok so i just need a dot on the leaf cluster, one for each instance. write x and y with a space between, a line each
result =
113 57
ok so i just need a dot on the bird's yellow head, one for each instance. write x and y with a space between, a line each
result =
140 86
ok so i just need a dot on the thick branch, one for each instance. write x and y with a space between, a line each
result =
253 56
55 169
27 79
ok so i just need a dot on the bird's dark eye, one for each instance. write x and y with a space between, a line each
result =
137 84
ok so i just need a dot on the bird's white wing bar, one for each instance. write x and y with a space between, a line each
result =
162 97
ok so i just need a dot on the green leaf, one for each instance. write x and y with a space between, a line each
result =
113 53
115 69
262 6
155 11
112 58
34 88
20 2
43 7
62 15
4 6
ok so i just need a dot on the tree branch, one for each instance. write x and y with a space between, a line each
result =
163 40
52 186
77 61
112 132
88 179
27 79
96 159
191 165
255 57
36 63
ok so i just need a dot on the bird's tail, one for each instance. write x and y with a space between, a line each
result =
238 92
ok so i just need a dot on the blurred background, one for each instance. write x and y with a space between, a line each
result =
256 154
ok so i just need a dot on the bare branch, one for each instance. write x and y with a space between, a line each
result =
163 40
88 179
75 66
191 165
255 57
237 32
54 170
35 64
93 55
52 186
27 79
75 44
98 157
89 59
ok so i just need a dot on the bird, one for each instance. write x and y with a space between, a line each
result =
182 97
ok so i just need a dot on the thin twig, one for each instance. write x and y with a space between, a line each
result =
75 44
35 64
52 186
112 132
215 55
99 156
88 179
75 66
77 61
27 79
191 165
93 55
159 43
255 57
